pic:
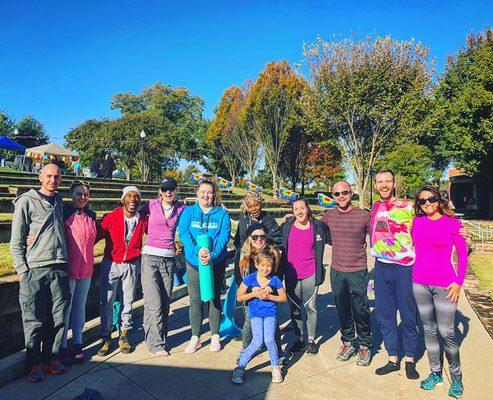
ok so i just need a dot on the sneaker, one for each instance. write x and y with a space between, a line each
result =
411 372
388 368
311 348
78 354
456 388
364 357
215 346
297 347
54 368
433 380
238 375
105 347
37 374
277 374
193 345
123 342
346 352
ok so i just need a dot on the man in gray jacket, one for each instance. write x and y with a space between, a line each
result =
44 292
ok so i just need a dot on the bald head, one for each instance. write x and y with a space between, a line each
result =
342 194
50 177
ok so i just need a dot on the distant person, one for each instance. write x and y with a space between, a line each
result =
159 264
95 168
42 269
348 226
435 233
208 217
77 168
108 167
124 228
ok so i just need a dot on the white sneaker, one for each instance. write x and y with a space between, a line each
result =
215 344
193 345
277 375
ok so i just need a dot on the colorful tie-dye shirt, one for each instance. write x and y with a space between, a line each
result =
390 230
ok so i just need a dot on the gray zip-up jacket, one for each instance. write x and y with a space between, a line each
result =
35 216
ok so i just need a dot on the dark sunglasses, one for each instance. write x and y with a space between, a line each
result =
344 193
431 199
257 237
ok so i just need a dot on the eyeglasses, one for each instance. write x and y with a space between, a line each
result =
344 193
431 199
258 237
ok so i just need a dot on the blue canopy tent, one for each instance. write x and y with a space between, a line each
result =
9 144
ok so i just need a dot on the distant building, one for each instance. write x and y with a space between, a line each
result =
469 194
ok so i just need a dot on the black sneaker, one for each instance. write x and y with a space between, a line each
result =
388 368
311 348
411 372
297 347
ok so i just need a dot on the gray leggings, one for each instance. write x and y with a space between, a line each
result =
438 316
302 293
195 311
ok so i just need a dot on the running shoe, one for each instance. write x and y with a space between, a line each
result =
37 374
456 388
277 374
346 352
364 357
311 348
238 375
432 381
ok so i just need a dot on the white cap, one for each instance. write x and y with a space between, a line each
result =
127 189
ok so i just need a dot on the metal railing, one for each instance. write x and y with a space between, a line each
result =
479 233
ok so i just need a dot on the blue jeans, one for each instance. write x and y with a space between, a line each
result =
75 317
263 331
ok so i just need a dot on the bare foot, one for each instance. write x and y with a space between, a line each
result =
162 353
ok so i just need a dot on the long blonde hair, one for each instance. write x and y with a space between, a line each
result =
249 253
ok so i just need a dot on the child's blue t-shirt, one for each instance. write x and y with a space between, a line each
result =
262 308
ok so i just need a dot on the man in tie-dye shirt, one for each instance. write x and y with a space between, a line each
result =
391 245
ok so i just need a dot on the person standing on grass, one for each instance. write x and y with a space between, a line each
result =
159 264
205 217
303 244
348 226
124 227
44 292
80 233
436 284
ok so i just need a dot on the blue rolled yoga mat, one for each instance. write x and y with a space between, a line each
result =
206 274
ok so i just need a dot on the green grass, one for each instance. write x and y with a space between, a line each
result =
7 262
7 169
482 264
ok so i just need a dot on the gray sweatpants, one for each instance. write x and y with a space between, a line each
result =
157 287
111 275
438 316
195 311
44 296
302 294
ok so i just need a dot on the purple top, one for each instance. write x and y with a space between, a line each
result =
301 253
161 230
433 241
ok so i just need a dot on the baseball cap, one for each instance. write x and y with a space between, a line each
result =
168 183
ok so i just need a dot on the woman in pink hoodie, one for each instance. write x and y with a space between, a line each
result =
158 265
80 233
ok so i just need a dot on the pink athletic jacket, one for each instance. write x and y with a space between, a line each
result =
80 233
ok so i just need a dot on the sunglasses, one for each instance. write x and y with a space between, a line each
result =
344 193
258 237
431 199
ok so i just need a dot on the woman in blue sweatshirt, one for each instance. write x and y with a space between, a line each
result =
206 216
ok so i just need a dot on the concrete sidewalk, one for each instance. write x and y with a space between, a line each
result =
205 375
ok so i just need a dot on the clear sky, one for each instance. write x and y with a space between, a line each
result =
62 61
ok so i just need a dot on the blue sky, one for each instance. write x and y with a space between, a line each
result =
62 61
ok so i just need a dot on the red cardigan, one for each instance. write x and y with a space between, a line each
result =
112 228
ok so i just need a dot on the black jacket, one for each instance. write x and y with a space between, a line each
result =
245 221
108 167
320 239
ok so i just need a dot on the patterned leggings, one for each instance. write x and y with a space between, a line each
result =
438 316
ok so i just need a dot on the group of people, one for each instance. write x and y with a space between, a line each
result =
53 253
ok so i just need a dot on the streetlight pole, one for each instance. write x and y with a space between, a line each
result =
142 139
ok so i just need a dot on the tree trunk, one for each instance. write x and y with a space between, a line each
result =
490 199
274 185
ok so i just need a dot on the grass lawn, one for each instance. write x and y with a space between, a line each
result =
7 262
482 264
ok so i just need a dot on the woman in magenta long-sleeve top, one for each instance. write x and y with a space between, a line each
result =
436 283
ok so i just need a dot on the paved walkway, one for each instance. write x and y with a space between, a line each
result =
205 375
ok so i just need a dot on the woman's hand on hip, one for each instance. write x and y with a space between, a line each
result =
453 292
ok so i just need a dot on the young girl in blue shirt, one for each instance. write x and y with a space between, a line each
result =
262 290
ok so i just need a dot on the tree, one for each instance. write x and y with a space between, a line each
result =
366 95
7 124
411 163
323 164
465 99
30 132
272 112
